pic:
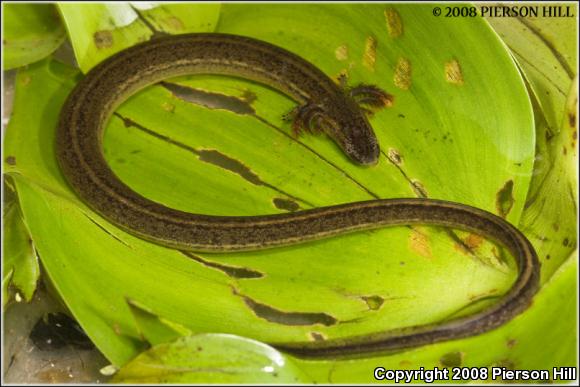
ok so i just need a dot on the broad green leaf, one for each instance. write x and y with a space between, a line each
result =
449 135
100 30
550 321
20 264
31 32
211 357
550 218
545 49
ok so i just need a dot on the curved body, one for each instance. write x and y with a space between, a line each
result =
79 151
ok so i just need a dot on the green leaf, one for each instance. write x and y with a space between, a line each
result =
550 322
31 33
97 31
544 47
550 220
543 50
20 264
217 358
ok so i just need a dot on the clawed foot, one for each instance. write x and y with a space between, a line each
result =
305 118
370 97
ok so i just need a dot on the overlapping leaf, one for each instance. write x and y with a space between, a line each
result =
30 32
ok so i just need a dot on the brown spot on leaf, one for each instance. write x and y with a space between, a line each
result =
10 160
419 243
209 99
474 241
402 75
286 204
232 271
317 336
511 343
452 359
249 96
103 39
504 199
370 54
459 244
221 160
566 242
453 73
174 23
394 156
287 318
341 52
373 302
394 22
419 188
572 122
